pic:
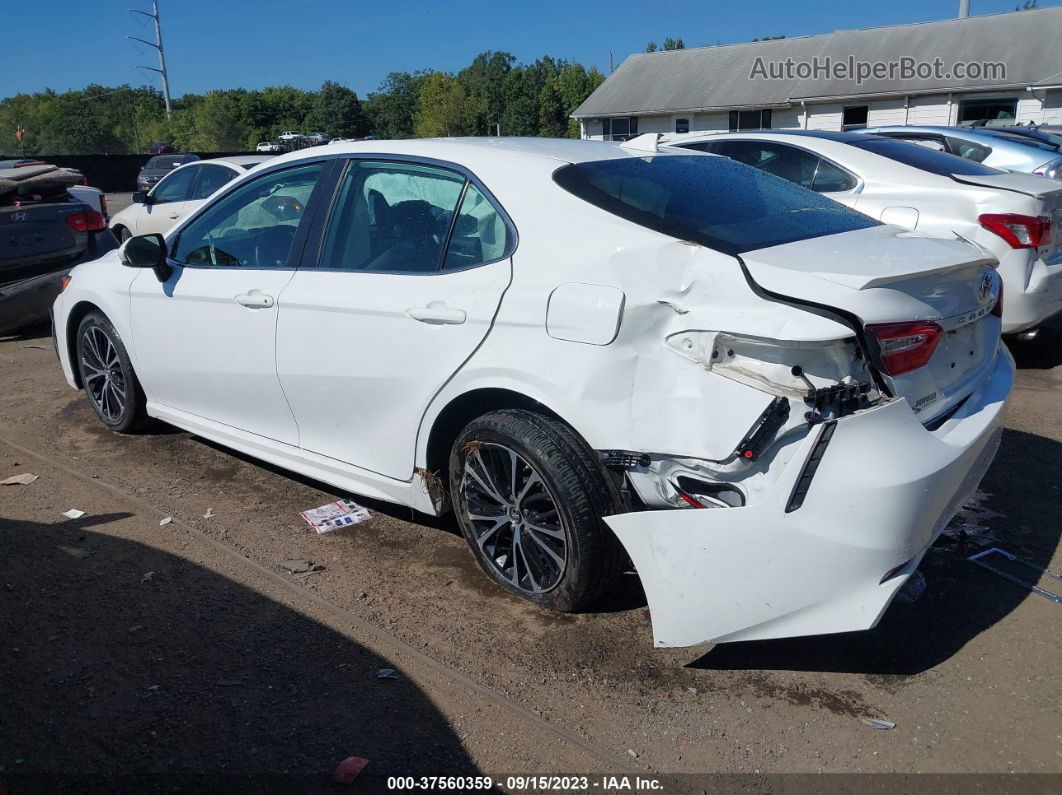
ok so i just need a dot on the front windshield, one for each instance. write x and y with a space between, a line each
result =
714 201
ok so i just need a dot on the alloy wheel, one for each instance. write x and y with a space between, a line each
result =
101 370
514 518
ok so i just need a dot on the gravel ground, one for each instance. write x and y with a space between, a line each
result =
186 649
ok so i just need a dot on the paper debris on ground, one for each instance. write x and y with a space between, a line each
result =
881 725
349 769
334 515
165 521
73 513
386 673
209 514
19 480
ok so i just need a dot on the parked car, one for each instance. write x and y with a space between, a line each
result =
1016 217
160 148
178 193
586 351
1041 135
289 136
316 138
159 166
48 222
269 146
983 145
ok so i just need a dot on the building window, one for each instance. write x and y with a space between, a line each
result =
682 125
622 128
854 117
987 110
741 120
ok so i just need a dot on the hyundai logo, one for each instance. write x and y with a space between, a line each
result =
985 288
19 216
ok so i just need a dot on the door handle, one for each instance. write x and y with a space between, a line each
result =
437 314
255 299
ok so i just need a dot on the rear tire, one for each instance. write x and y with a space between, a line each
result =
107 375
529 495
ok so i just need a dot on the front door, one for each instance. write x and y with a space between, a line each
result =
166 202
414 260
205 339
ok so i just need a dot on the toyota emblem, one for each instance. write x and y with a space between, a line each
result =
985 288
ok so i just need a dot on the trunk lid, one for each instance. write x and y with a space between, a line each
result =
1047 198
886 275
35 233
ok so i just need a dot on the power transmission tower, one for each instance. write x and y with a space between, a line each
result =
158 46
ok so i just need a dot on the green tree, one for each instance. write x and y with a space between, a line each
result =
219 122
337 111
674 44
444 108
651 47
484 81
392 109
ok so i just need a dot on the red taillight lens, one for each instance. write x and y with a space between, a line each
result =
96 221
1020 231
905 346
86 221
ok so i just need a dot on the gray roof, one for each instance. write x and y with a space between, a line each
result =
711 78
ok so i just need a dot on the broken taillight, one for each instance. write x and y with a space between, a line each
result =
905 346
1020 231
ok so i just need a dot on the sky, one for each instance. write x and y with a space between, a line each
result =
213 44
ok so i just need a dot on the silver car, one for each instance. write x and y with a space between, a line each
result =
993 148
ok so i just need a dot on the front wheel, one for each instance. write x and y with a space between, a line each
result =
107 375
529 497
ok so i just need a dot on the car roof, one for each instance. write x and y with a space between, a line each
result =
467 150
243 161
828 135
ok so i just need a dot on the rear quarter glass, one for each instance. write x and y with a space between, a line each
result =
719 203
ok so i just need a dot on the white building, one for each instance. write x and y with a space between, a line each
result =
1014 62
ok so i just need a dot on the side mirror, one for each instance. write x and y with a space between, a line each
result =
147 251
142 197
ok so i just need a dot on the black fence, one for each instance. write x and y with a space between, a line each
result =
109 173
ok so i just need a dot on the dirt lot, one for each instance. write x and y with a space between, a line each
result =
132 648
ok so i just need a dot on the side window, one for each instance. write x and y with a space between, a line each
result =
792 165
969 150
391 217
831 179
254 225
700 146
210 179
480 234
174 187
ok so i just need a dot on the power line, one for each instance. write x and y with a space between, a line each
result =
158 46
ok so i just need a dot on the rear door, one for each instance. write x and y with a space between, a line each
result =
168 202
414 259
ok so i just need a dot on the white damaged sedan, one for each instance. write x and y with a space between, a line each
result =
771 403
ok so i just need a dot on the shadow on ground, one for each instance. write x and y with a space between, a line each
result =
128 669
1043 352
961 599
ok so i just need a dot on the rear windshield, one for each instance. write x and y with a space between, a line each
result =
924 158
714 201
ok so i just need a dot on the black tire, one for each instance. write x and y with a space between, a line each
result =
573 482
107 375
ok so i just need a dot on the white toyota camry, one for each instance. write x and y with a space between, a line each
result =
1017 217
771 403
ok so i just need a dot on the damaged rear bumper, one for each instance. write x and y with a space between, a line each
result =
884 489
